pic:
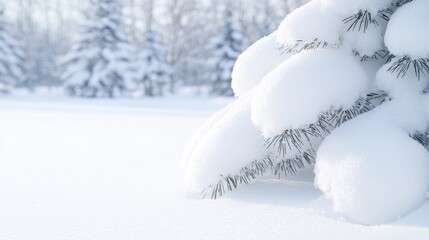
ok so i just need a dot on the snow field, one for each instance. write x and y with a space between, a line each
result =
79 169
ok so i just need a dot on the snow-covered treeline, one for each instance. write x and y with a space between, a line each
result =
154 46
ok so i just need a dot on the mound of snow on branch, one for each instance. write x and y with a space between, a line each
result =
400 86
224 146
365 43
407 33
352 6
200 134
309 23
371 169
309 84
256 62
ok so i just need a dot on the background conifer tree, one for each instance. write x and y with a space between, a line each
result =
227 48
11 57
100 64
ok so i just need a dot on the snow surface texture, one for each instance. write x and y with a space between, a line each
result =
371 169
256 62
220 149
110 170
280 101
411 18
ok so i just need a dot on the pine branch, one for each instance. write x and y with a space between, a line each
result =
402 2
360 20
385 14
291 140
288 167
301 45
390 57
422 138
291 166
376 56
402 65
363 19
363 105
296 139
230 182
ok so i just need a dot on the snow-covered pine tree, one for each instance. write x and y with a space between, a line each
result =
11 57
153 72
338 59
227 48
101 62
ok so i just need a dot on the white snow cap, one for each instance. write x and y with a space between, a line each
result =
256 62
310 22
354 6
229 144
310 83
200 134
371 169
398 86
408 32
366 43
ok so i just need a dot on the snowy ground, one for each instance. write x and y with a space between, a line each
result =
89 170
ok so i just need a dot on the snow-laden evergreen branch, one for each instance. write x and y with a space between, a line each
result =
402 2
381 54
297 142
363 19
301 45
402 65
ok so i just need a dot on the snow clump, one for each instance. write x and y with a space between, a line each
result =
407 33
370 167
226 146
256 62
309 84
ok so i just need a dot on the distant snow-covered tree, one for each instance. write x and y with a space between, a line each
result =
101 62
153 71
11 58
227 48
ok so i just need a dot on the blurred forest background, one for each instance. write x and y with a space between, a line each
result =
162 46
